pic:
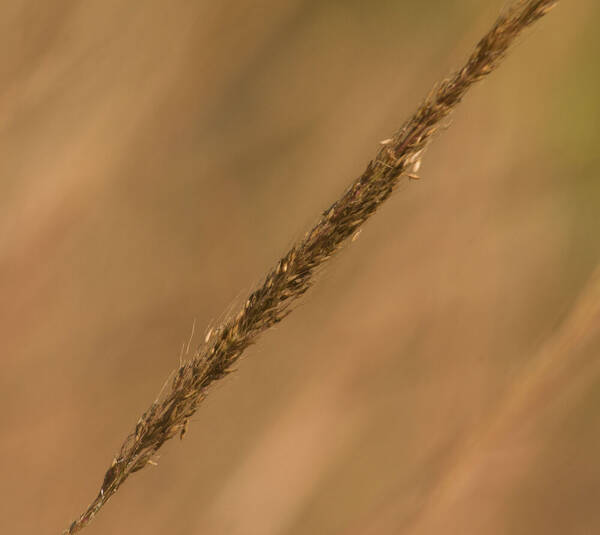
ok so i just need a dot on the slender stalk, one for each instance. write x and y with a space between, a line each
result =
294 274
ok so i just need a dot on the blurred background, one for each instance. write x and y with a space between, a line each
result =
158 158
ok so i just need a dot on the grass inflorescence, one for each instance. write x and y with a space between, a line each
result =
398 157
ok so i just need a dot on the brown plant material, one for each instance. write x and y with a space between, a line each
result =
295 273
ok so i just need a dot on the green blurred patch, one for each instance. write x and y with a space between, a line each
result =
572 132
573 114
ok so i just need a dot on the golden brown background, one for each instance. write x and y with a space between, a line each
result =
158 157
